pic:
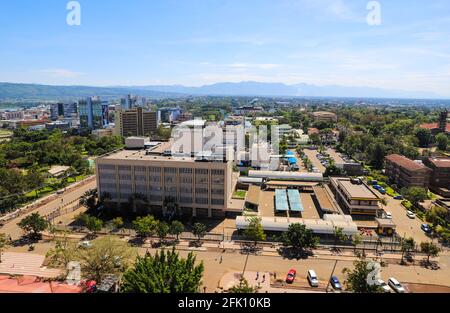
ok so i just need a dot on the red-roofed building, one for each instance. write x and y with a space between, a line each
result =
32 284
438 127
312 131
407 173
440 177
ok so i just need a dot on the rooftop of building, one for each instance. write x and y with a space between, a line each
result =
440 162
324 113
406 163
435 126
355 191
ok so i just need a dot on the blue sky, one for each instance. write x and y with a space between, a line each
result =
196 42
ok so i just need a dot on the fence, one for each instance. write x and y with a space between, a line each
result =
41 202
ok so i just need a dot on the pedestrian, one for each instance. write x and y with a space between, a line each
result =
221 259
275 275
257 275
264 278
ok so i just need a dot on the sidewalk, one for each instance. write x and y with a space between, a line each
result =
26 264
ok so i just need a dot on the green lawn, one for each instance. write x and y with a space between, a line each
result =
240 194
4 132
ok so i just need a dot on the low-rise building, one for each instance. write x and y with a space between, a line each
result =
407 173
440 175
323 116
355 197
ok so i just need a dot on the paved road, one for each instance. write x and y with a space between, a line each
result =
311 154
235 262
406 227
15 232
335 156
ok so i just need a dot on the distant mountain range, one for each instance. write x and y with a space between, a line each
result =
33 92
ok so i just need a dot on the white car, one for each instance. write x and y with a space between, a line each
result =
410 214
85 244
396 286
389 215
312 278
382 284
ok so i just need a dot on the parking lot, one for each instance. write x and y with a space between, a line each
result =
406 227
312 156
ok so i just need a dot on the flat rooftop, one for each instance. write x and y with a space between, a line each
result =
356 191
141 155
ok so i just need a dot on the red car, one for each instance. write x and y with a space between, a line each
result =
291 276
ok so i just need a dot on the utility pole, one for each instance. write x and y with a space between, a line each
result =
332 272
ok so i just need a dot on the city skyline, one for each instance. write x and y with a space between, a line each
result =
195 43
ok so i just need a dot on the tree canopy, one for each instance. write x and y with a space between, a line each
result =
165 272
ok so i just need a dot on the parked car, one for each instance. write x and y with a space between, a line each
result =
291 276
312 278
377 187
398 197
382 284
389 215
426 228
382 191
335 283
396 286
85 244
410 214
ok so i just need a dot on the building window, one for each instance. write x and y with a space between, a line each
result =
201 171
201 200
217 201
185 170
171 170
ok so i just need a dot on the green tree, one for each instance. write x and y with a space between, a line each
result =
442 141
254 230
94 224
339 236
145 226
430 249
33 224
176 228
63 253
299 237
407 245
163 273
358 279
107 255
415 194
117 222
199 230
424 137
357 239
243 287
4 243
162 230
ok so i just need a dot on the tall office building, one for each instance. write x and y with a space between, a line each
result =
136 122
170 115
128 103
93 113
65 110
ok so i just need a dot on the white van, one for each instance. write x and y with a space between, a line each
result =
312 278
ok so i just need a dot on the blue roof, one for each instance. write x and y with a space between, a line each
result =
295 202
281 200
